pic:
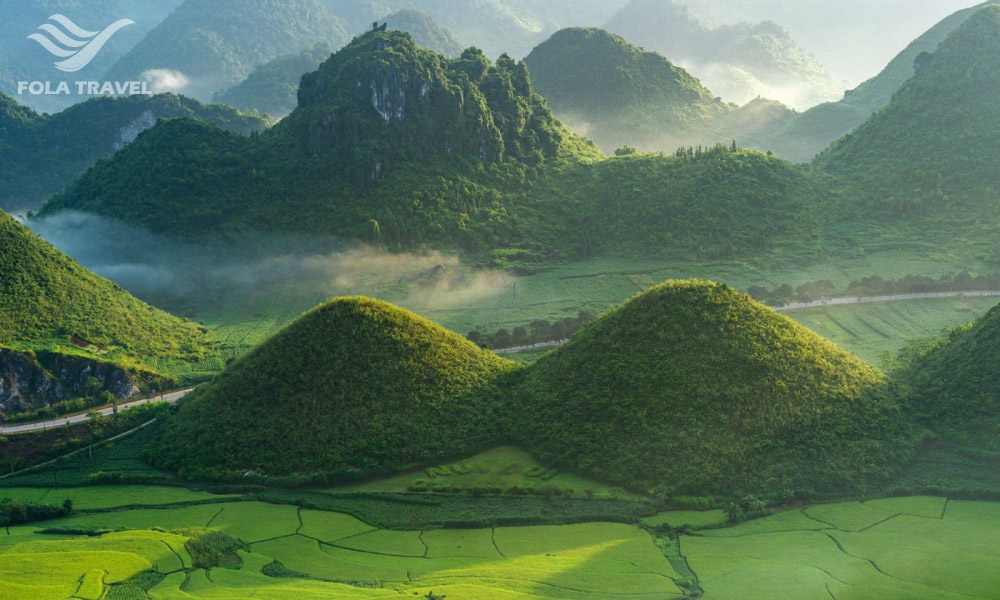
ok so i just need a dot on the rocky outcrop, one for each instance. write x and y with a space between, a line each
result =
31 381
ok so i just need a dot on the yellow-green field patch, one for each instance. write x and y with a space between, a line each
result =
469 543
147 518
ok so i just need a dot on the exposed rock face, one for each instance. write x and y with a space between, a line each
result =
28 381
128 133
382 102
389 93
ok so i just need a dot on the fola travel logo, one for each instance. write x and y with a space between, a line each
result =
79 50
77 47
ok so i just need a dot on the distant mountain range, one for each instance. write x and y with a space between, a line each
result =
272 88
738 62
621 95
208 45
42 154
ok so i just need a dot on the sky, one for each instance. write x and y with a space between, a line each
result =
854 39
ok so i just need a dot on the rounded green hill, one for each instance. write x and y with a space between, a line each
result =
954 386
47 298
618 93
356 386
695 388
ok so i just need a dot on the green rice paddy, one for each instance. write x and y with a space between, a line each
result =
849 550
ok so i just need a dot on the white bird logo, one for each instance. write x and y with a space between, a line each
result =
77 45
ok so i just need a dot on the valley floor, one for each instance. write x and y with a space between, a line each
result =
487 303
844 551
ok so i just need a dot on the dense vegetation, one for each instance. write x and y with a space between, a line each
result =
740 62
617 93
457 154
953 386
46 298
931 150
422 154
425 32
42 154
716 202
635 399
815 129
694 388
272 87
213 44
355 387
15 512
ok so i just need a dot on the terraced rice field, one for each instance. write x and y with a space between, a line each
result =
873 331
850 550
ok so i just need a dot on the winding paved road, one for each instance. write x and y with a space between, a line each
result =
84 417
875 299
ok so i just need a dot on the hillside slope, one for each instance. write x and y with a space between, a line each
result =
272 88
621 95
600 84
42 154
931 151
694 388
46 298
207 45
814 130
355 387
953 387
703 205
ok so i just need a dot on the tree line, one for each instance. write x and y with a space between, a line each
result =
537 332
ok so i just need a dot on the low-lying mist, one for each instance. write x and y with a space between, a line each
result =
194 279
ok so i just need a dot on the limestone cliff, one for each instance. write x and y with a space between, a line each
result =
31 380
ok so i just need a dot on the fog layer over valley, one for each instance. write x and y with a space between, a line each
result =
194 279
